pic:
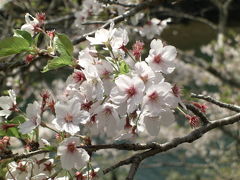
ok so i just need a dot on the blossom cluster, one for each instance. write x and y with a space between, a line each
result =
92 9
113 91
119 94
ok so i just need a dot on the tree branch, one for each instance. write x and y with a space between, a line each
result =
117 3
133 169
188 16
191 137
154 147
218 103
118 19
17 157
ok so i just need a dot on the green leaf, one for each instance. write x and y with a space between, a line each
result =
63 44
13 45
23 34
17 120
58 62
49 148
2 133
13 132
35 39
124 68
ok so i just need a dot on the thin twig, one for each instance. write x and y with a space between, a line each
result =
117 3
219 103
188 16
93 22
22 156
10 173
117 19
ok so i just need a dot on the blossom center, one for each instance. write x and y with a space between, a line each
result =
108 111
153 96
71 147
149 23
21 167
176 90
79 77
194 121
68 118
157 59
34 120
87 106
131 91
93 118
48 167
14 108
144 78
106 74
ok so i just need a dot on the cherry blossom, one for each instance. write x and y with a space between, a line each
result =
108 118
45 167
128 90
143 70
102 36
87 57
94 81
131 132
108 93
76 78
156 98
89 175
8 104
161 58
89 8
153 27
105 71
62 178
33 115
70 155
153 123
69 116
31 24
19 170
40 176
120 38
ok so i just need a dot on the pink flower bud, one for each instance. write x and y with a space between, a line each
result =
123 47
79 176
51 105
51 34
41 17
29 58
137 49
194 121
201 107
176 90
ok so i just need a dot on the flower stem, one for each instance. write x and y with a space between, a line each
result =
46 126
181 111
